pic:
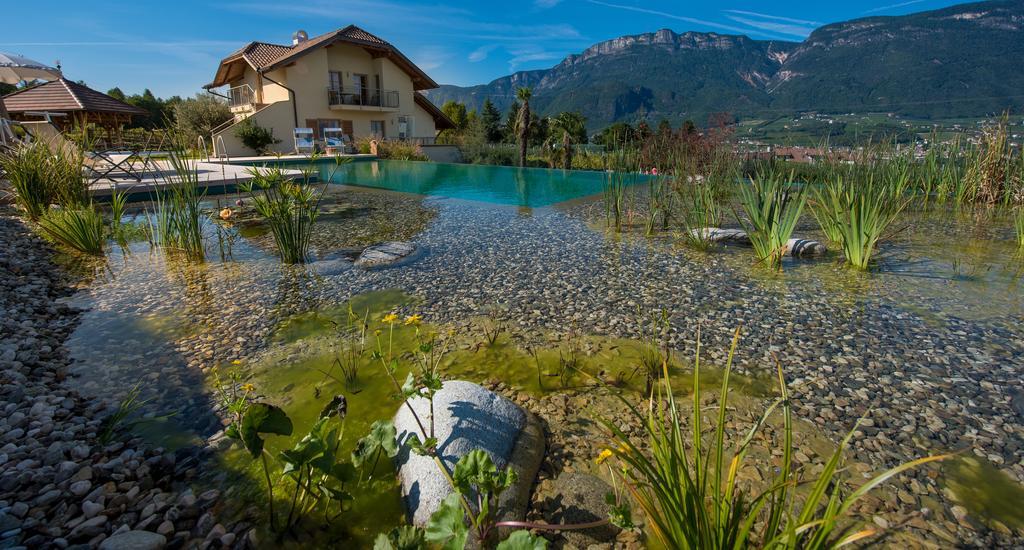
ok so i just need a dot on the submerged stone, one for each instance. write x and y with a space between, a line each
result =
804 247
384 253
134 540
468 417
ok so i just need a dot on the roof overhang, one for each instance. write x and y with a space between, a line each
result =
441 120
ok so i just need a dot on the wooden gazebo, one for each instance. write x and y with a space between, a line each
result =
69 105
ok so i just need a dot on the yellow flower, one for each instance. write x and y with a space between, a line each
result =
390 318
248 388
236 362
623 449
605 455
226 214
413 319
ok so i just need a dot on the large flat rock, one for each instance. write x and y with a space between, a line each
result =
384 253
468 417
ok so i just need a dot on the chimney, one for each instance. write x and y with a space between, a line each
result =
298 37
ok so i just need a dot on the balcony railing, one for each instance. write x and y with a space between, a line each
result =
362 97
241 96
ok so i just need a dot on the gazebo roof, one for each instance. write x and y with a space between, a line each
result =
65 96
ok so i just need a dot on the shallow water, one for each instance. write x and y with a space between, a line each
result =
935 331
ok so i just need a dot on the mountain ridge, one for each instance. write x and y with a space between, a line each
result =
954 61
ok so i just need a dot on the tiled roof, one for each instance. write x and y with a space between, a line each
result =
64 95
441 120
264 56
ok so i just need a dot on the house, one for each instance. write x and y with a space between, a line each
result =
347 79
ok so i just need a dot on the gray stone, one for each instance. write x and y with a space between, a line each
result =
134 540
727 236
579 498
384 253
468 417
804 247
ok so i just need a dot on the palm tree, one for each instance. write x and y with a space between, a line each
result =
573 127
524 94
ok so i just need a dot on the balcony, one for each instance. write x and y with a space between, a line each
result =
362 99
241 98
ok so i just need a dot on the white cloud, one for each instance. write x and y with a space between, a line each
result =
775 17
482 52
894 6
544 4
695 21
772 26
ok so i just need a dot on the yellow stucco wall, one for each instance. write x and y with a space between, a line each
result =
308 77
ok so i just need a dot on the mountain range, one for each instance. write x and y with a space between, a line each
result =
960 61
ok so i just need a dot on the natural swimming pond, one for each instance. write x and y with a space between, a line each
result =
530 187
926 347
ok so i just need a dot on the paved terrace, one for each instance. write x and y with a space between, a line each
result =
161 175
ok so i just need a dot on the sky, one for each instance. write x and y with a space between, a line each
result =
173 47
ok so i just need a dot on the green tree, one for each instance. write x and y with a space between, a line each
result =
491 118
510 122
198 116
664 128
524 94
616 135
116 93
456 112
571 129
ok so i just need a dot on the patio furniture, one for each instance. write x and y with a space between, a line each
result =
335 140
304 139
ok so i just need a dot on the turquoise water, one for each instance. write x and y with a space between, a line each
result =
530 187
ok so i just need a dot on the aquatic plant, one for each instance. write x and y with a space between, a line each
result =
290 206
353 346
690 496
773 207
1018 225
621 174
493 324
855 215
320 476
655 354
80 229
118 420
27 170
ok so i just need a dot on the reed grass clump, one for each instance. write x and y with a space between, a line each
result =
856 214
1018 225
622 173
689 492
80 229
773 207
289 206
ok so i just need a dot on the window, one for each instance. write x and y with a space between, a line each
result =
377 128
334 78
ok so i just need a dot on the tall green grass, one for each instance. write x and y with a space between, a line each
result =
289 206
689 493
80 229
1018 225
773 207
621 174
27 168
177 223
856 214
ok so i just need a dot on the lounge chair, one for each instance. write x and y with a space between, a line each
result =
335 140
304 139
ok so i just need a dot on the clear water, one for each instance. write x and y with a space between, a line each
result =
530 187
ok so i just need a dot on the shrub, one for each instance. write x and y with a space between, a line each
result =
255 137
79 229
198 116
27 168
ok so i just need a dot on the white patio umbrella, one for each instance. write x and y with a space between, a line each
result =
14 69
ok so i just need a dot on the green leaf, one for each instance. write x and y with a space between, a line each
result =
382 436
477 469
232 431
406 537
522 540
337 407
344 472
262 418
422 448
409 388
620 515
447 526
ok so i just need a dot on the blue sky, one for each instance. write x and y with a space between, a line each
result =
173 47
